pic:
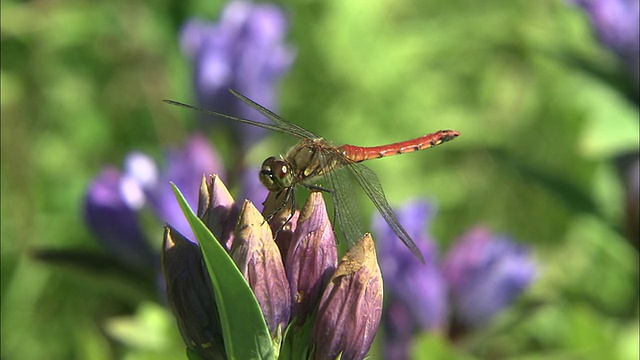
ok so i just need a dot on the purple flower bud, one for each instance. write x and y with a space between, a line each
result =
217 209
110 211
351 305
190 295
259 260
244 51
312 257
185 168
486 273
616 22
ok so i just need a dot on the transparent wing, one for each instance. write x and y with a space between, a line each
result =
272 127
282 124
279 124
345 205
371 186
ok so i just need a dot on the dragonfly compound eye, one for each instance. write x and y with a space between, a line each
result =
275 174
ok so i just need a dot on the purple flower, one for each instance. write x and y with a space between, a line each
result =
420 287
486 273
252 188
185 168
416 292
110 212
114 199
482 274
616 23
244 51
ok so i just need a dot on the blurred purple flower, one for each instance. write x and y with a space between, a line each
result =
244 51
616 23
110 212
416 292
252 188
483 274
486 273
408 280
185 168
113 199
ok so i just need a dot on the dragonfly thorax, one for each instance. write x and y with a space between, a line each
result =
275 174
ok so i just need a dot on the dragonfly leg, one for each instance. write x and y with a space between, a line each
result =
318 188
289 201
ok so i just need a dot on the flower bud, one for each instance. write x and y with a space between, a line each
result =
351 305
259 260
312 257
217 209
190 295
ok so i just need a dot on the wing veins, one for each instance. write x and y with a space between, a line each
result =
283 124
372 187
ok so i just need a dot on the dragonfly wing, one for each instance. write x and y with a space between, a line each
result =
345 205
283 124
372 187
272 127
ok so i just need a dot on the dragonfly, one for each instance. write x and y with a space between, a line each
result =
313 159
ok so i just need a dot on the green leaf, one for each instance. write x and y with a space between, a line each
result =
244 329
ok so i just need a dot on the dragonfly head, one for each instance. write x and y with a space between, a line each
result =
275 174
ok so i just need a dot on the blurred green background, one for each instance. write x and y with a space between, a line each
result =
82 84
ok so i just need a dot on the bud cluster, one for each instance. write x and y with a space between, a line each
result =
333 309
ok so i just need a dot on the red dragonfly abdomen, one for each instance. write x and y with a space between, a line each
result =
359 153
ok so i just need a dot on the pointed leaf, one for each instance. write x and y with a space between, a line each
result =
244 329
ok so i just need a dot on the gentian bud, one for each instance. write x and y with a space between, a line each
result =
259 260
486 273
217 209
351 305
190 295
312 257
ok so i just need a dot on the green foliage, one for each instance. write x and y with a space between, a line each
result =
82 84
